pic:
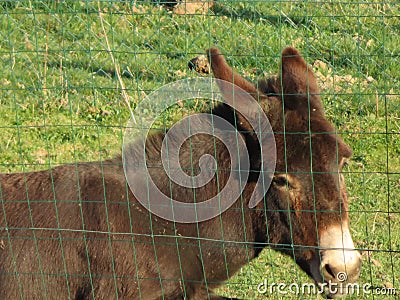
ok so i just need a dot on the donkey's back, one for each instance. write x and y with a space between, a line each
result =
77 230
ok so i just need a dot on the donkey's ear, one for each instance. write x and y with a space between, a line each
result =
299 86
235 89
223 71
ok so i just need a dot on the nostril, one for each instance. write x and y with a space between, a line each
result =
328 271
338 271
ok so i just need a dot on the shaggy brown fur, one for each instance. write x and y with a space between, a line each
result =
77 232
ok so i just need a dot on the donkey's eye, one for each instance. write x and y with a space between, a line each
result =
281 180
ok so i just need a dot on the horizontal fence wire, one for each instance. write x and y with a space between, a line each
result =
70 73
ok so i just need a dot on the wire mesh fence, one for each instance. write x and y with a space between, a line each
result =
68 69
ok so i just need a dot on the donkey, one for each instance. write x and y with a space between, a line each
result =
76 231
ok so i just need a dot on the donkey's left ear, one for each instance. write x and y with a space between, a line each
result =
236 90
298 82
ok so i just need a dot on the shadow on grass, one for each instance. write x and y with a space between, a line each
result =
253 15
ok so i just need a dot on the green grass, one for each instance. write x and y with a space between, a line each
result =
60 100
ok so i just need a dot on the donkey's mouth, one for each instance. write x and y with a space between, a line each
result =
334 285
336 266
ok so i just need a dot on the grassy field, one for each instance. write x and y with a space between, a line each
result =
60 99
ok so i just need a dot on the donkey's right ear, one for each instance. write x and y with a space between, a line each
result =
300 89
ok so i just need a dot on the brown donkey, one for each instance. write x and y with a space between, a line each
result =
77 232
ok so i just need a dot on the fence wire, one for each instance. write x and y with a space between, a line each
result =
69 68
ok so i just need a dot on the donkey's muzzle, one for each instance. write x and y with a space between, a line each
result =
341 263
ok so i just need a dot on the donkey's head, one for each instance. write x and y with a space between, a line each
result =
307 204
